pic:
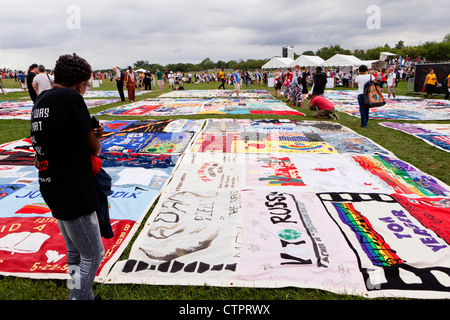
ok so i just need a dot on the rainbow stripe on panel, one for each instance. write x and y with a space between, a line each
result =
374 246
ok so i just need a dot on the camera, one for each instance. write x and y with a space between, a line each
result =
95 122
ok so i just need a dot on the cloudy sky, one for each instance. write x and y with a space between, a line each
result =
121 32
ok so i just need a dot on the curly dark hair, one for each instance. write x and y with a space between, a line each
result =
71 69
363 68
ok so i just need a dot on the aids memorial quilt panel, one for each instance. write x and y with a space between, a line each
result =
21 110
288 240
351 95
250 93
401 176
400 109
110 94
157 107
300 172
151 136
191 237
437 135
192 106
282 136
402 250
247 106
30 242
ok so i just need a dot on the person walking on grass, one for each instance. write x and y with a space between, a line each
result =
171 77
42 81
130 83
391 81
278 82
160 79
236 82
119 76
21 78
148 81
430 83
32 72
295 93
287 84
222 79
320 81
304 83
361 81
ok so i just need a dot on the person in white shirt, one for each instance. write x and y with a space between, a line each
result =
42 81
171 79
390 79
361 80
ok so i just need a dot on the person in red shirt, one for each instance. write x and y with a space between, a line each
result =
375 76
383 79
324 107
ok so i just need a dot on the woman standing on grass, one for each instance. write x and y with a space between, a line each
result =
67 183
304 83
222 79
430 83
130 83
361 80
287 81
278 82
296 89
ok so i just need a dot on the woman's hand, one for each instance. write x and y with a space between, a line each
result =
98 131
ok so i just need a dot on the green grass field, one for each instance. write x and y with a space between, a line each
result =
406 147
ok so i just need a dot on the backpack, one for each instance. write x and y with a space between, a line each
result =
372 95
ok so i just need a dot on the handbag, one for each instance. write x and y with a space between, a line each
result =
103 185
372 95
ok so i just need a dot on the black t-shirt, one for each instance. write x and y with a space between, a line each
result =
31 90
60 124
320 81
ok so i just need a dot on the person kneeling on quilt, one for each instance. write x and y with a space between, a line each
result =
324 107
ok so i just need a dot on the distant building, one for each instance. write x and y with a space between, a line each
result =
287 52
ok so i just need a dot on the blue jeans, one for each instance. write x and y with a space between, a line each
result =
363 111
84 253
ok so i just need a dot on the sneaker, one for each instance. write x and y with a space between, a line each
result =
334 116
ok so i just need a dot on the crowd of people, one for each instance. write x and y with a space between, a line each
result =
293 83
176 79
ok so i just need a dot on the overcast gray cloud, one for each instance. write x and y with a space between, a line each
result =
113 32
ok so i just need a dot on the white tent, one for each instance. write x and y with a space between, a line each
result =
384 55
343 60
307 61
373 63
141 70
277 62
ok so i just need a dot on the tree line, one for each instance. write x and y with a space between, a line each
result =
431 50
206 64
